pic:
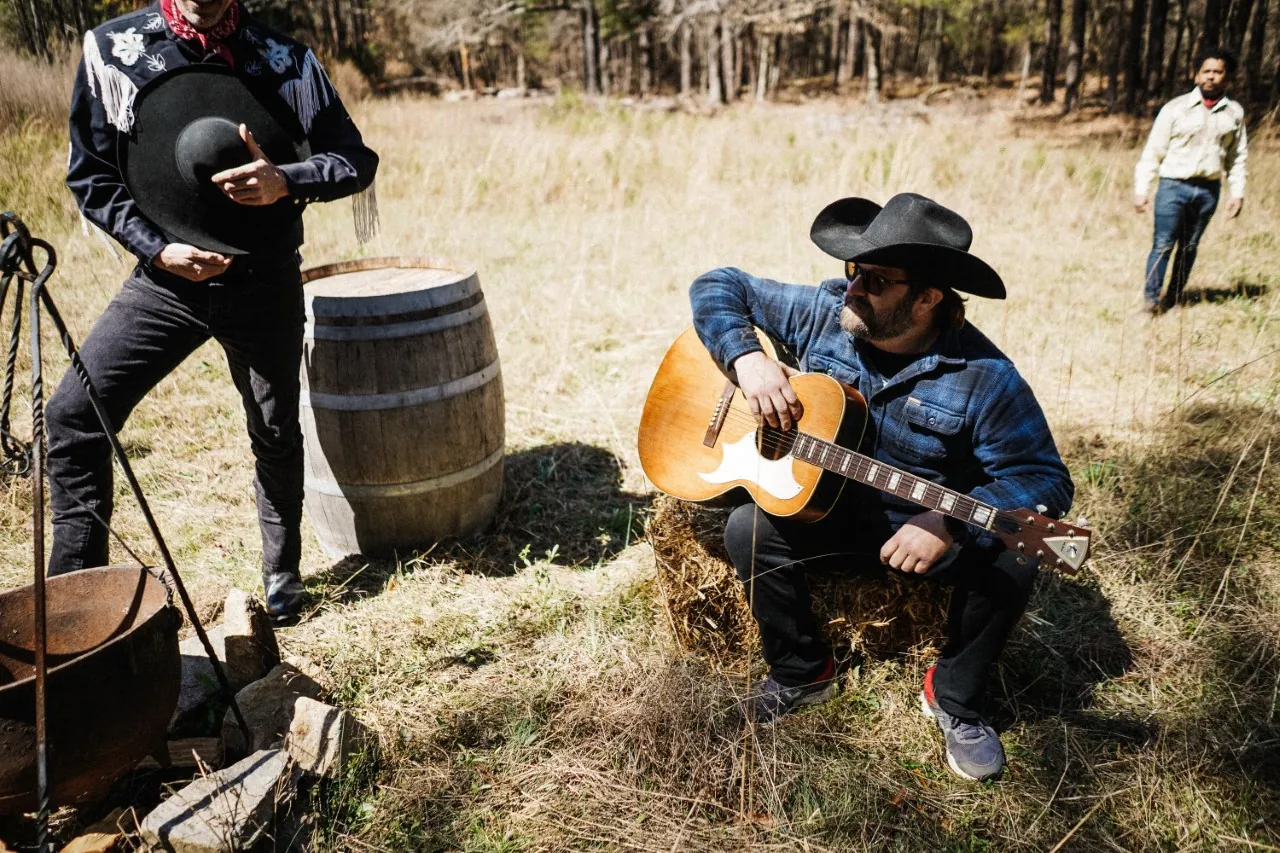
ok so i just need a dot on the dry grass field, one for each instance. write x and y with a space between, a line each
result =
525 685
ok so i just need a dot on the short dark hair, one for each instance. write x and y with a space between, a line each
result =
948 314
1221 53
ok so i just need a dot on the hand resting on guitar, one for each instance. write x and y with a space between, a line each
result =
765 384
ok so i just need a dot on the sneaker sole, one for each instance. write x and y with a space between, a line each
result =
928 711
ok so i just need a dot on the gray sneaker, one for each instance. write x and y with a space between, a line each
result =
974 751
770 700
284 594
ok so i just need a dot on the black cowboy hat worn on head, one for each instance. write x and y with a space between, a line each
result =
911 232
186 129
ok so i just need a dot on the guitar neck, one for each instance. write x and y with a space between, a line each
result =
886 478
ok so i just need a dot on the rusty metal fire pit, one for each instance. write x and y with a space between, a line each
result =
114 672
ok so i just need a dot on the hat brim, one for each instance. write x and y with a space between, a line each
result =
957 269
838 231
202 215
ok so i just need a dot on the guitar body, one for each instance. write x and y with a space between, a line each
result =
686 456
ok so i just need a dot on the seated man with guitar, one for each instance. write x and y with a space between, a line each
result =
953 440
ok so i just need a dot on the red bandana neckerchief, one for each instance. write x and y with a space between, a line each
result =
1209 102
214 40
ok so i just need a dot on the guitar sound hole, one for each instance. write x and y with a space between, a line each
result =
773 443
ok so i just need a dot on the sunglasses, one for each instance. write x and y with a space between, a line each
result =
872 282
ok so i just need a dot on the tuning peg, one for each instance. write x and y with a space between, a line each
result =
1082 522
1041 508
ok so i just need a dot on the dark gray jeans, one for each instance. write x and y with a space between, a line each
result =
255 312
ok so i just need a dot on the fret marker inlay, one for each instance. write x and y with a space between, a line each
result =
894 479
948 501
871 473
981 514
917 493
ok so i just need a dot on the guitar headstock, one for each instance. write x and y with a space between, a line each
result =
1058 544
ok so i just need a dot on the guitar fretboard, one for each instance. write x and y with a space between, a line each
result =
864 469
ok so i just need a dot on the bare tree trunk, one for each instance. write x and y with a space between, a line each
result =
775 64
1253 62
606 79
853 26
915 60
727 38
762 69
646 63
873 64
1213 14
1075 54
936 71
38 33
994 62
686 59
1113 66
1173 66
1133 57
1052 44
1026 68
739 58
711 45
1238 24
25 32
464 62
590 46
1155 46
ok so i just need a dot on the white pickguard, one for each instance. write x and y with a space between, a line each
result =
741 461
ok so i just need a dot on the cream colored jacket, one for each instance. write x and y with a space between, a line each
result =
1190 141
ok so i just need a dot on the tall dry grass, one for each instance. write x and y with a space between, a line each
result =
523 683
33 91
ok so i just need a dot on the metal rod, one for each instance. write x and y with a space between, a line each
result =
37 548
94 400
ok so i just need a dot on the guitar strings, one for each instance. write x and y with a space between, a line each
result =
775 439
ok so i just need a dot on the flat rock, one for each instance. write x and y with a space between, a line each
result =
199 684
249 641
229 810
323 739
268 706
105 836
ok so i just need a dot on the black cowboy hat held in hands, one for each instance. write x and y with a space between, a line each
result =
911 232
186 130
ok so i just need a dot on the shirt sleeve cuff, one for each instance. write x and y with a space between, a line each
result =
301 179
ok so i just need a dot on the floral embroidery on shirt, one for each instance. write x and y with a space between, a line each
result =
278 56
155 62
128 45
155 21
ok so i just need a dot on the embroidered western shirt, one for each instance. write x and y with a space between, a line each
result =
125 53
1191 140
960 415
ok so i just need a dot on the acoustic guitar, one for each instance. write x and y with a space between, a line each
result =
699 440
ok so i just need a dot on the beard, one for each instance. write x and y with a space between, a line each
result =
859 319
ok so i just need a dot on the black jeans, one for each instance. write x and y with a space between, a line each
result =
156 320
774 556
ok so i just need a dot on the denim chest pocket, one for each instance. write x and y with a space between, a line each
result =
926 432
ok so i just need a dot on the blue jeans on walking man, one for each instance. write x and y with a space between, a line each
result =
1182 212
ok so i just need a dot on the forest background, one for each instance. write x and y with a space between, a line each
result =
1129 55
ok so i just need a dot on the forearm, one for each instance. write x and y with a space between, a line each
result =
330 175
728 303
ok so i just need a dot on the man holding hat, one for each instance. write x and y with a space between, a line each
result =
944 404
198 136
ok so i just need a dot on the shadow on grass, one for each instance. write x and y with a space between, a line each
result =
561 502
1212 295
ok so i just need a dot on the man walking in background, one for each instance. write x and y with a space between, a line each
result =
1198 139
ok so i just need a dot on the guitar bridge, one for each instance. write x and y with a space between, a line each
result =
719 415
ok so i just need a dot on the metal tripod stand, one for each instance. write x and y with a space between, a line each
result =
18 271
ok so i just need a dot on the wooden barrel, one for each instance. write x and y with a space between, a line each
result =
402 407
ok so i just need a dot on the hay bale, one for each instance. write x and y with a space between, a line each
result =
708 614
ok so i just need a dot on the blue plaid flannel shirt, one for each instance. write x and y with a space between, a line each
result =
961 415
